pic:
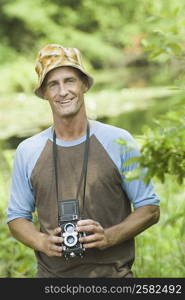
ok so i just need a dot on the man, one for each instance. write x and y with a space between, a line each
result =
49 166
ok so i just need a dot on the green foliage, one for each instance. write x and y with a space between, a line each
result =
162 149
165 30
16 260
110 34
18 77
83 24
126 45
160 249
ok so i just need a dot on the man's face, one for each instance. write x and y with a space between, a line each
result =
64 89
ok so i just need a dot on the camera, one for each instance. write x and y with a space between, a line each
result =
68 217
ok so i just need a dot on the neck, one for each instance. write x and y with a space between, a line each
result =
68 129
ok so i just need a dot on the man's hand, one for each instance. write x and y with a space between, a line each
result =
96 234
25 231
138 221
49 245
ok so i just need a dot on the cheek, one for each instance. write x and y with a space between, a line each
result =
50 94
78 89
80 92
46 95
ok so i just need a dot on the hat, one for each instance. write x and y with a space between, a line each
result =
53 56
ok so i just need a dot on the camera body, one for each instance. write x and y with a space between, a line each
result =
69 216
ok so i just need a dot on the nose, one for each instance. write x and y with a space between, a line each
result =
62 90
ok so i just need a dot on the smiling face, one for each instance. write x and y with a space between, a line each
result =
64 88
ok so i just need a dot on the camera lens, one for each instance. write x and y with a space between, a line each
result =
70 235
69 227
70 239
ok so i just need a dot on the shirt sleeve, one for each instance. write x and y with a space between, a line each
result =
138 192
21 201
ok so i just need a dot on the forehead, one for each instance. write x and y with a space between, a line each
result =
62 72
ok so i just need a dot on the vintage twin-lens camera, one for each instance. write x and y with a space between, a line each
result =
69 216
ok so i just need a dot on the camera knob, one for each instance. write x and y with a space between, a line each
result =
72 254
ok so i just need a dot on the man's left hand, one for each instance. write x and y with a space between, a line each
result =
96 235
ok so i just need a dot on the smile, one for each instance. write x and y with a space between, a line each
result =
64 102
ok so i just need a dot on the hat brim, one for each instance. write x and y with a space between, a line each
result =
38 90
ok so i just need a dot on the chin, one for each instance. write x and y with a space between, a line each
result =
68 114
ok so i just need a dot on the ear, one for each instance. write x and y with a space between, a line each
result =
85 86
43 89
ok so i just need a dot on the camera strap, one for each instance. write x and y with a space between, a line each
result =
83 175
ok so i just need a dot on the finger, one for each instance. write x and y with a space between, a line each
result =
92 245
87 222
58 254
56 240
56 231
55 253
55 248
91 238
90 228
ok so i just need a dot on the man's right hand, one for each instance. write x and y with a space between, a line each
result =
49 245
25 232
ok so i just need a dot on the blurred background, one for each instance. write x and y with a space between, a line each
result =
135 50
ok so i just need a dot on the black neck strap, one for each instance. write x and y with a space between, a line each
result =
83 175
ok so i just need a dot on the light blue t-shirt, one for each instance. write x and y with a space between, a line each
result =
22 199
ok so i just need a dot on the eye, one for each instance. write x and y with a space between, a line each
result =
70 80
52 84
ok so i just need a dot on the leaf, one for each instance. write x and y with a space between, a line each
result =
172 164
172 220
176 48
131 175
121 142
159 32
156 53
131 161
